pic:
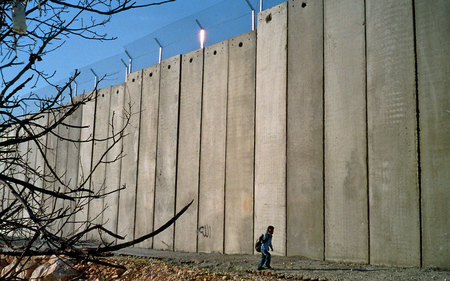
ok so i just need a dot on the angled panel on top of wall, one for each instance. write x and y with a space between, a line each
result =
346 224
189 150
129 169
240 144
270 138
392 132
166 154
145 194
305 130
212 165
112 180
433 56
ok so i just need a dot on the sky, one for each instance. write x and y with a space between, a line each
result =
168 22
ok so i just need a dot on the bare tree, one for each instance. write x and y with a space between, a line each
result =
37 201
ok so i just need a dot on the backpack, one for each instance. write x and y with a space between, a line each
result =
259 242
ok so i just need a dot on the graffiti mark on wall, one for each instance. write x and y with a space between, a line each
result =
205 230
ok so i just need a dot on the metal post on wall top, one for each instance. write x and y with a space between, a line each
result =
202 34
160 50
253 14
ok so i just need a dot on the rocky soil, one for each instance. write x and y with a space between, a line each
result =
166 265
143 264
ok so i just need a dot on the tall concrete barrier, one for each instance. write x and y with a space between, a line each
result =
101 128
85 153
346 212
305 206
72 156
113 158
270 134
213 145
240 144
392 134
330 122
433 53
145 194
189 150
166 161
62 228
129 169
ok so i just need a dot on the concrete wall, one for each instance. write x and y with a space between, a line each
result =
433 70
329 122
346 218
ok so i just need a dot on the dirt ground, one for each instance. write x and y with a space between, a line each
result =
201 266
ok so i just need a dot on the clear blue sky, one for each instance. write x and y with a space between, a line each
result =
134 24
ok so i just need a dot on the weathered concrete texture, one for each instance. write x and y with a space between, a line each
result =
50 154
392 128
166 161
346 217
85 153
270 139
112 180
212 165
60 170
240 144
433 56
305 130
129 170
145 194
189 150
73 148
101 128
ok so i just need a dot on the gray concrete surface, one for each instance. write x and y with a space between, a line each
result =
433 69
240 144
71 176
129 170
346 213
270 134
99 169
85 152
166 162
392 134
112 181
305 207
145 194
369 140
189 150
213 145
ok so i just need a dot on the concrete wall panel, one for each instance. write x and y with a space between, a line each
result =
346 217
212 165
50 153
62 229
433 56
101 128
112 180
85 153
393 166
240 144
129 170
147 154
166 161
189 150
270 138
305 130
71 176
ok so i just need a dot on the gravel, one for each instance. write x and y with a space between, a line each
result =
202 266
